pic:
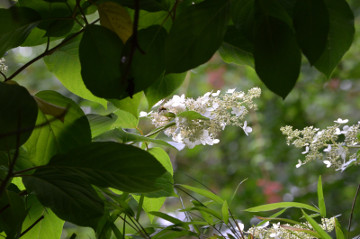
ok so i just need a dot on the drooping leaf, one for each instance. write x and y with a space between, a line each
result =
280 205
109 164
148 66
169 218
49 227
65 65
195 35
277 55
100 53
163 87
51 109
54 135
18 112
311 23
340 36
115 17
225 212
338 231
70 197
15 25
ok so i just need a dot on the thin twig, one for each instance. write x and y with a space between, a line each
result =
352 209
32 225
81 12
237 225
140 227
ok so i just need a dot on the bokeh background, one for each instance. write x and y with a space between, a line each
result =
261 161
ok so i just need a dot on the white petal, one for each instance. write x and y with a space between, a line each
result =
216 94
143 114
230 91
306 150
327 163
341 121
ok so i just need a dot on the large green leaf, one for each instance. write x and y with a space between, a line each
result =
163 87
148 67
55 136
196 35
18 112
109 164
100 124
311 22
69 196
65 64
340 37
100 53
50 227
130 104
15 25
277 55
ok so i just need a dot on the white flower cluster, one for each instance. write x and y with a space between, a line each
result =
3 67
336 146
215 112
281 231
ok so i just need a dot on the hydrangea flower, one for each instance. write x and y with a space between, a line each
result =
336 147
215 111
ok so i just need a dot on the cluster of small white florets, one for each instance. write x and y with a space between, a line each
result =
336 146
3 67
280 231
216 110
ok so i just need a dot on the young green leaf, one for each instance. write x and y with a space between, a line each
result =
280 205
192 115
338 231
321 199
225 212
171 219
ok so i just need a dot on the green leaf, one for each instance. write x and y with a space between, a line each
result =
147 19
149 66
277 56
232 54
125 120
13 213
163 158
196 34
70 197
151 204
280 205
316 227
311 23
130 105
225 212
338 231
56 16
321 200
54 135
171 219
18 111
122 136
49 227
109 164
192 115
340 37
15 25
204 193
163 87
274 216
100 53
173 233
100 124
65 64
148 5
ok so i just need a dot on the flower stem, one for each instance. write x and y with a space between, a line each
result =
162 128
